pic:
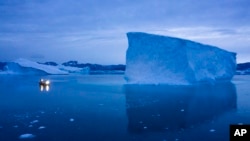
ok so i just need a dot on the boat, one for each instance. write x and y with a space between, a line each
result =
44 82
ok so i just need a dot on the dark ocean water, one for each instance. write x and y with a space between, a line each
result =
104 108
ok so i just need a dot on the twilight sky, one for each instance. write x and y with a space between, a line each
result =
94 31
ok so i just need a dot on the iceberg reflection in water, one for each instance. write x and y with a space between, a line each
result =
163 107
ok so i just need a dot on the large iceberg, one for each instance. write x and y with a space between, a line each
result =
155 59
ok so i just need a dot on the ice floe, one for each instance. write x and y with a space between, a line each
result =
41 127
26 136
212 130
34 121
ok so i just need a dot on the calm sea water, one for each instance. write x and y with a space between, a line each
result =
103 108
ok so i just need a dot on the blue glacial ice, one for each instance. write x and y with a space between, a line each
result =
156 59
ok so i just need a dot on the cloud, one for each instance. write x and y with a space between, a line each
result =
95 30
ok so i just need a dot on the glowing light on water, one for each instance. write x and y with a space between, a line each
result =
47 88
44 88
41 88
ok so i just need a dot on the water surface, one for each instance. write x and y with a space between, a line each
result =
103 107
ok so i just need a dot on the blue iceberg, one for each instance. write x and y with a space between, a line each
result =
155 59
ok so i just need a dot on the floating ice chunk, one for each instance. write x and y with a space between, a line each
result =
154 59
34 121
71 119
212 130
26 136
41 127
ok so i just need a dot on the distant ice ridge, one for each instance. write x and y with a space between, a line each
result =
155 59
46 68
24 66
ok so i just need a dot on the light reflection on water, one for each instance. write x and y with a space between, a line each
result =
44 88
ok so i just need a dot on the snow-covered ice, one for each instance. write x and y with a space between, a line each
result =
154 59
24 66
26 136
46 68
